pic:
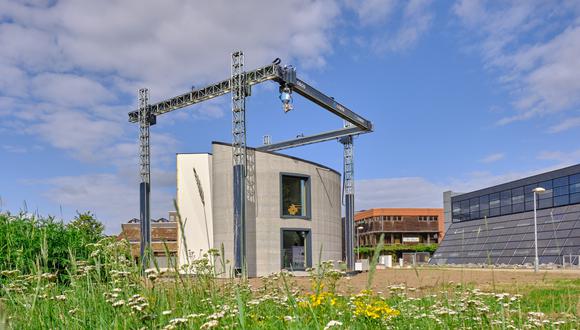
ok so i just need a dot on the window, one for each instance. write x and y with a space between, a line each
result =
494 200
484 203
561 200
549 192
559 182
295 196
558 192
518 195
506 198
465 209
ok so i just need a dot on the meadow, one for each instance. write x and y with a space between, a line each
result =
100 286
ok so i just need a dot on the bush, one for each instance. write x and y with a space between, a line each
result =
30 243
393 249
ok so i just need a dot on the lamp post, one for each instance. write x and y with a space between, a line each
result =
536 191
358 229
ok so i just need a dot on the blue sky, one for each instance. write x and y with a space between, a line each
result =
463 94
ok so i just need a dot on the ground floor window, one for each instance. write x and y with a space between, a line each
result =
296 249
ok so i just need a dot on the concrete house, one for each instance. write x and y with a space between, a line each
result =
293 209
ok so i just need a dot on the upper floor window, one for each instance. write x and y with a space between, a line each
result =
295 196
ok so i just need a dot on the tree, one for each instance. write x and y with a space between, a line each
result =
88 227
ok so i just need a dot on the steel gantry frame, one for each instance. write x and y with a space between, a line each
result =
145 121
239 157
239 84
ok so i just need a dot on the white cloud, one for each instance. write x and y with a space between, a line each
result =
416 20
565 125
14 149
69 90
390 25
493 158
421 192
533 46
69 72
563 158
181 41
76 132
397 192
371 12
113 200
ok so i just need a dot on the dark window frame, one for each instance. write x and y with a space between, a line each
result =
308 185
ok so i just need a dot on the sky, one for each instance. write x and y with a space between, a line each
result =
463 94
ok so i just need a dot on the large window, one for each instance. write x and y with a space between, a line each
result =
295 249
560 191
295 196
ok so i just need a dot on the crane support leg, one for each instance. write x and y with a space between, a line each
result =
348 188
239 90
145 171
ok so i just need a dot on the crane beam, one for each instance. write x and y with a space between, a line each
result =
223 87
331 105
316 138
273 72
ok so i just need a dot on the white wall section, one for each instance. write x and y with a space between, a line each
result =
194 200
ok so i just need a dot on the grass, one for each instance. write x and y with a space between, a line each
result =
552 297
106 291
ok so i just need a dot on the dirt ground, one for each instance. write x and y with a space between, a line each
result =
432 279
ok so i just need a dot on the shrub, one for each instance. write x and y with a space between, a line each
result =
31 243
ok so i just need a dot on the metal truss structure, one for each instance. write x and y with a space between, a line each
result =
145 121
239 156
239 84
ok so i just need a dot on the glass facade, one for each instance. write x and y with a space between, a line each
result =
561 191
496 226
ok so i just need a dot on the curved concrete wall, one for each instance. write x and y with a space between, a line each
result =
263 220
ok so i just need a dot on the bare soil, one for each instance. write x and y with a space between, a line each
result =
433 279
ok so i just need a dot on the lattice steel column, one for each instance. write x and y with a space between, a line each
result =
145 171
239 89
348 190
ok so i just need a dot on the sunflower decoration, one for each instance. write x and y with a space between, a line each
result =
293 209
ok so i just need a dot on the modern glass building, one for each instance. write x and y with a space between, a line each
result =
495 225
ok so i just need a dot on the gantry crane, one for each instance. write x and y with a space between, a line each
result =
239 84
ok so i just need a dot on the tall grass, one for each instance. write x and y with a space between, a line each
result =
107 291
27 241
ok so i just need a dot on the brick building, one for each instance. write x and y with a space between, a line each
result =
163 238
408 226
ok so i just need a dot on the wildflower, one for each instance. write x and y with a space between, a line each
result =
61 297
209 325
119 303
167 312
178 320
331 324
288 318
371 306
152 277
73 311
217 315
194 316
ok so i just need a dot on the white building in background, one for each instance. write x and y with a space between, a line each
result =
293 209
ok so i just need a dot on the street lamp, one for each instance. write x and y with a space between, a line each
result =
358 229
536 191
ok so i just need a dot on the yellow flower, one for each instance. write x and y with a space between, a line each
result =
368 305
315 300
